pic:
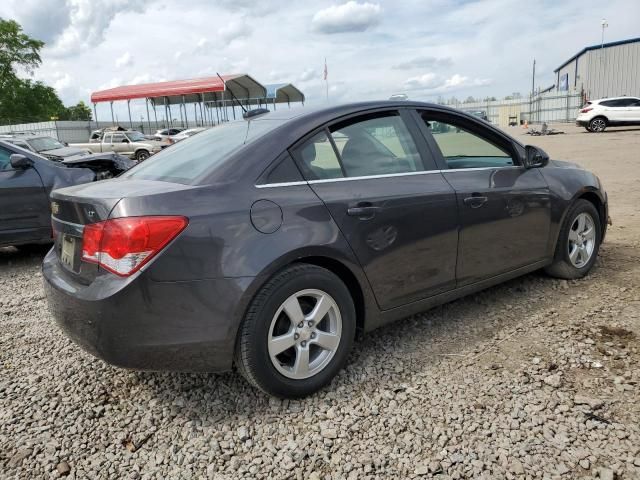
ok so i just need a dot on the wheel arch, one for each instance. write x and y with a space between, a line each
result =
594 198
348 270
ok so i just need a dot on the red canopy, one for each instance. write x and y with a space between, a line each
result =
242 86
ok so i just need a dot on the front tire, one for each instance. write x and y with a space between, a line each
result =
598 124
578 242
297 333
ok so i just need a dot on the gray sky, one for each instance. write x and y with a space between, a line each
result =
374 48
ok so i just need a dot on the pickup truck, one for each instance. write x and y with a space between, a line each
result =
129 143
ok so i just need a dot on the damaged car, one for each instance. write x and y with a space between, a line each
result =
27 179
44 145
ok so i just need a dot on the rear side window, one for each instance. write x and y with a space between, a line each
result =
376 145
4 159
318 159
187 160
370 145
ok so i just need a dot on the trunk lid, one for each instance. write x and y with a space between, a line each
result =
74 207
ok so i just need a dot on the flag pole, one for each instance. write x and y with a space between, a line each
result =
326 77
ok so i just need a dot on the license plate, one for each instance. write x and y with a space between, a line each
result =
68 251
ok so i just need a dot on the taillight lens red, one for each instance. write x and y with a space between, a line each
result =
585 110
123 245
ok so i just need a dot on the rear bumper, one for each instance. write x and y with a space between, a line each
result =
146 325
582 123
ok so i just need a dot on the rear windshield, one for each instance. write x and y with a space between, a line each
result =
189 159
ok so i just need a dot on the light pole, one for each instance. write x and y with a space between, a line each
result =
604 25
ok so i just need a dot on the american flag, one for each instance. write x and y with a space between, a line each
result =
325 69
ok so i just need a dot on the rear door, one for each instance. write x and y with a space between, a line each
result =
504 208
615 110
24 206
395 209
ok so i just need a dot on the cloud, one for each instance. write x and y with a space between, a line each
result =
125 60
87 22
308 74
234 30
43 23
424 62
436 83
348 17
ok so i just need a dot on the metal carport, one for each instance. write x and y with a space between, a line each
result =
283 93
210 92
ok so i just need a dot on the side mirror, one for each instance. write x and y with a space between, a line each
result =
66 144
19 161
125 141
535 157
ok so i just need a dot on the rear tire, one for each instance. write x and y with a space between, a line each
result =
598 124
297 332
142 155
587 129
578 242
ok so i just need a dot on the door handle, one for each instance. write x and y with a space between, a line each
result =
475 201
363 211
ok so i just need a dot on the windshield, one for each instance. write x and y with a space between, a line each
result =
187 160
44 143
136 136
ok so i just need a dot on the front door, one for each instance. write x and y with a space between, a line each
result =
24 206
504 208
392 205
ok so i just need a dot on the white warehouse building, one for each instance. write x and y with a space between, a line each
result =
608 70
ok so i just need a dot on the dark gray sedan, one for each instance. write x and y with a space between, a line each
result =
267 244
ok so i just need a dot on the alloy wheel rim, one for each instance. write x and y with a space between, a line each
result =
304 334
582 240
597 125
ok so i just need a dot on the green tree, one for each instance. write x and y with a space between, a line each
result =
77 112
23 101
16 50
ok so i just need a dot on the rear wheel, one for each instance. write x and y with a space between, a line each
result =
578 242
297 332
597 124
142 155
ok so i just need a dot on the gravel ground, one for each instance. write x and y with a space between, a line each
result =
536 378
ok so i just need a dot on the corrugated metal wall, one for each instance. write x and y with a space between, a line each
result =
612 72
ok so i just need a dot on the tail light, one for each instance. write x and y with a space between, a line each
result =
585 110
123 245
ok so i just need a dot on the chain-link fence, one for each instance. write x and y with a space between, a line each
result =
549 107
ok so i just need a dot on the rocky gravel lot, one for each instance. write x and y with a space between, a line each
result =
536 378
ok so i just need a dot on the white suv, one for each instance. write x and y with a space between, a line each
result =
597 115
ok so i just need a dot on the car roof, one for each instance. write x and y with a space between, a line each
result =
624 97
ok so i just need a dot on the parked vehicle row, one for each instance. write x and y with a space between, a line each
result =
44 145
267 244
597 115
26 181
129 142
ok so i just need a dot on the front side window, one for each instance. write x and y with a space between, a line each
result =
118 138
378 144
462 148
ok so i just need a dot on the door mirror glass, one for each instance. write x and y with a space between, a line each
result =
535 157
19 161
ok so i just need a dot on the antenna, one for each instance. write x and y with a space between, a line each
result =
232 95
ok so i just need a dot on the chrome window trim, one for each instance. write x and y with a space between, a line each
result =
389 175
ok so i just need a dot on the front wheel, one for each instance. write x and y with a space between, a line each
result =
578 242
297 332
